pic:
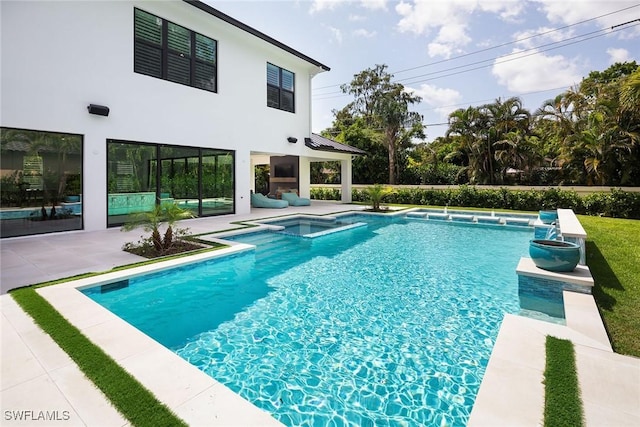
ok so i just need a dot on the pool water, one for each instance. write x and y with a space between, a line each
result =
389 324
313 227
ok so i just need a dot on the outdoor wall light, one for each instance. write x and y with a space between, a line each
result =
292 140
100 110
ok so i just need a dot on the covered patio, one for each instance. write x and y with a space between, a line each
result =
288 173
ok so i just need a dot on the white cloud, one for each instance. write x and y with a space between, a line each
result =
374 4
439 49
449 40
618 55
336 33
357 18
572 11
450 18
507 9
320 5
361 32
536 72
441 99
531 38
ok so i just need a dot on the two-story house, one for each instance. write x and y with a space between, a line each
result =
108 108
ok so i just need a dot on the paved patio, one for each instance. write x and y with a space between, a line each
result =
38 376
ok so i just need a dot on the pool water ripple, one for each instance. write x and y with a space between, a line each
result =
396 330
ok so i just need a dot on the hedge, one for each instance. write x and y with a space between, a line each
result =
617 203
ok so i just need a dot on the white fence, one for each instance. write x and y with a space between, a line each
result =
581 190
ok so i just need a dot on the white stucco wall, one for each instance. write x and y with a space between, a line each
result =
59 56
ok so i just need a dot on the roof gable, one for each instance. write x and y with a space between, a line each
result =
228 19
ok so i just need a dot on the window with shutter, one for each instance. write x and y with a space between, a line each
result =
280 88
205 63
148 44
171 52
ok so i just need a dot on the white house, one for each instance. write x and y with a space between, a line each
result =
108 107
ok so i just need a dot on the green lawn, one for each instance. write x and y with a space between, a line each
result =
613 256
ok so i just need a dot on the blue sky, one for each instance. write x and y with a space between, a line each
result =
453 53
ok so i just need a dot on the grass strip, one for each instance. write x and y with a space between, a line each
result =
127 266
613 256
562 402
127 395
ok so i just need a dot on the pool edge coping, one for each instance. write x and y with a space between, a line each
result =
235 414
517 398
190 393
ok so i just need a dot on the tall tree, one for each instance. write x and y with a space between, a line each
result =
597 127
384 105
464 127
503 118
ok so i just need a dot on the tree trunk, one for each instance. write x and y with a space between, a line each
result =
392 159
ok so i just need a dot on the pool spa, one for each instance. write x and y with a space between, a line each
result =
310 227
390 322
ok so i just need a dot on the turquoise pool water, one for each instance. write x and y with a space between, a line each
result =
388 324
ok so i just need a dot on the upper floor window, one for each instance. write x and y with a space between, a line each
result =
168 51
280 88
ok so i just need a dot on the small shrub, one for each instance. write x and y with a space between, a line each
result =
375 196
623 204
325 194
158 244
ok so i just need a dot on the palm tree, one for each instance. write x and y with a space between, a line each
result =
519 151
630 93
375 194
565 119
463 129
502 118
151 221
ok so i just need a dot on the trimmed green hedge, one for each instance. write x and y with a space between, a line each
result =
617 203
325 193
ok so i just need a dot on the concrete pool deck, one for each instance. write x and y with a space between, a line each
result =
38 376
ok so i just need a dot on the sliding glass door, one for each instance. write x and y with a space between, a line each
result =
180 176
217 182
200 180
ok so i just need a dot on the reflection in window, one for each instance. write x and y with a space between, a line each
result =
40 182
217 181
141 175
280 88
171 52
131 187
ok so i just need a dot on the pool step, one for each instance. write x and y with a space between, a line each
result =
470 217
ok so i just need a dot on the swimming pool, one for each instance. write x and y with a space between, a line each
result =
311 227
392 323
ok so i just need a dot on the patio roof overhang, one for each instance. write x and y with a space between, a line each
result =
320 143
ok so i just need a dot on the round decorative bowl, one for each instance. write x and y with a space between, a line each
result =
554 255
547 217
